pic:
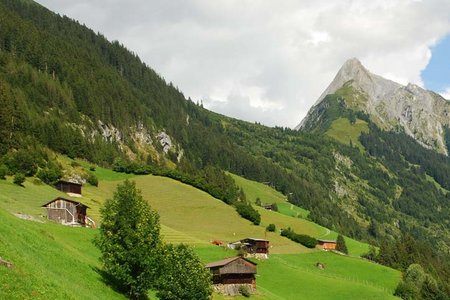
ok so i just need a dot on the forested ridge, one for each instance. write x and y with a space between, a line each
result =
60 82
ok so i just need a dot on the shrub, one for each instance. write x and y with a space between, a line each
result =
92 168
340 244
183 275
274 207
271 227
303 239
244 291
248 212
19 179
50 174
3 171
92 179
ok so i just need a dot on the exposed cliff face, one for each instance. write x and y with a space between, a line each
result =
422 114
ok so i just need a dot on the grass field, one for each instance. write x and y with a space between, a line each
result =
58 262
291 210
289 215
342 278
344 132
51 262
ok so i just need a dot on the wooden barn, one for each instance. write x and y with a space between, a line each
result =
232 273
68 187
327 244
67 212
256 245
258 248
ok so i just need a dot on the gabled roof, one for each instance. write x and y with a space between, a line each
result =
226 261
258 240
327 241
65 199
70 182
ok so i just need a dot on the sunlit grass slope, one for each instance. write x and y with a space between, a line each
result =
342 278
57 262
195 214
343 131
50 262
288 215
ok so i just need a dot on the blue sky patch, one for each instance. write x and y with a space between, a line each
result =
436 75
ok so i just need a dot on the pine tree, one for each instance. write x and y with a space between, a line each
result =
340 244
130 241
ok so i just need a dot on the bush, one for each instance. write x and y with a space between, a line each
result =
271 227
50 174
3 171
248 212
23 162
92 179
92 168
183 275
303 239
274 207
244 291
19 179
340 244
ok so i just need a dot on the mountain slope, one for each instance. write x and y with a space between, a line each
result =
422 114
43 253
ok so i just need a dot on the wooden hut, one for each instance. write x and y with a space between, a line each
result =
258 248
68 187
327 244
256 245
232 273
66 211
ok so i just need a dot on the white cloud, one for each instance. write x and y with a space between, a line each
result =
446 93
267 61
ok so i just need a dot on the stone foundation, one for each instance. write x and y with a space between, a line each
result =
232 289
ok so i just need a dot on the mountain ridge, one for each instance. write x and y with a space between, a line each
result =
421 114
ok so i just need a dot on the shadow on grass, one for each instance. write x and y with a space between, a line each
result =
113 283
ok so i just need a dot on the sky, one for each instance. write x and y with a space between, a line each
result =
268 61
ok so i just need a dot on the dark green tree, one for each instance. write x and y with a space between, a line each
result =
129 241
3 171
183 275
340 244
92 179
271 227
19 179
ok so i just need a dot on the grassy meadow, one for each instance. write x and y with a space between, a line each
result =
343 131
58 262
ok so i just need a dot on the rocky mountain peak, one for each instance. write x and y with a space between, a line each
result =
422 114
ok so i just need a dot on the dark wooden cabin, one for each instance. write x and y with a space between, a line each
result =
68 187
235 270
66 211
256 245
327 244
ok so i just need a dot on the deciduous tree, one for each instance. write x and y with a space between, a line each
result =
130 241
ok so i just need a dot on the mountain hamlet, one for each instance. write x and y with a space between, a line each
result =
254 208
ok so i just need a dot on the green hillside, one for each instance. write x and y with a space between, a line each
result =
43 253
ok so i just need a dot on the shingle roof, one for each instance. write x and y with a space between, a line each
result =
61 198
225 262
327 241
